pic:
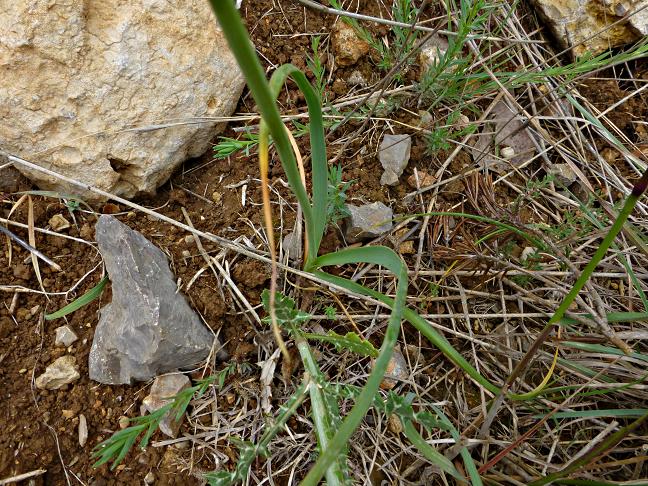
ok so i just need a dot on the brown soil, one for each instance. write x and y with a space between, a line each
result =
40 428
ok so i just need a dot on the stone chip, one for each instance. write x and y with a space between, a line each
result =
394 154
367 221
65 336
163 389
60 373
148 328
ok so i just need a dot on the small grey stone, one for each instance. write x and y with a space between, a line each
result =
60 373
368 221
148 328
65 336
394 155
563 173
163 389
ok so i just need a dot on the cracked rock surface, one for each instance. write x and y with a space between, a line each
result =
595 25
148 328
75 74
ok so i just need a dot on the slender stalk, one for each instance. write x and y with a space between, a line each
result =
320 413
243 50
365 400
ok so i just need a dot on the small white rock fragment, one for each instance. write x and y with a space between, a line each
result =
394 154
396 370
150 477
123 422
58 222
65 336
432 52
507 153
60 373
163 390
83 430
526 253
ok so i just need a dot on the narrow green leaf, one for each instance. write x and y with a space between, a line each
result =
430 453
617 413
599 348
82 301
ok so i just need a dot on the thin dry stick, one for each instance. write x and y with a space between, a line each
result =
23 476
29 248
32 241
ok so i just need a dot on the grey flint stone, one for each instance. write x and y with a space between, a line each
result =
148 328
368 221
394 154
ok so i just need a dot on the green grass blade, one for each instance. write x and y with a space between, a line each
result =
612 317
237 38
318 151
390 260
430 453
420 324
616 413
82 301
599 348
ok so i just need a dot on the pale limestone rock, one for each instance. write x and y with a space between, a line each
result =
75 74
348 47
60 373
576 21
83 430
164 388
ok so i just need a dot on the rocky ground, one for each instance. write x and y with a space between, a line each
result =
486 289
